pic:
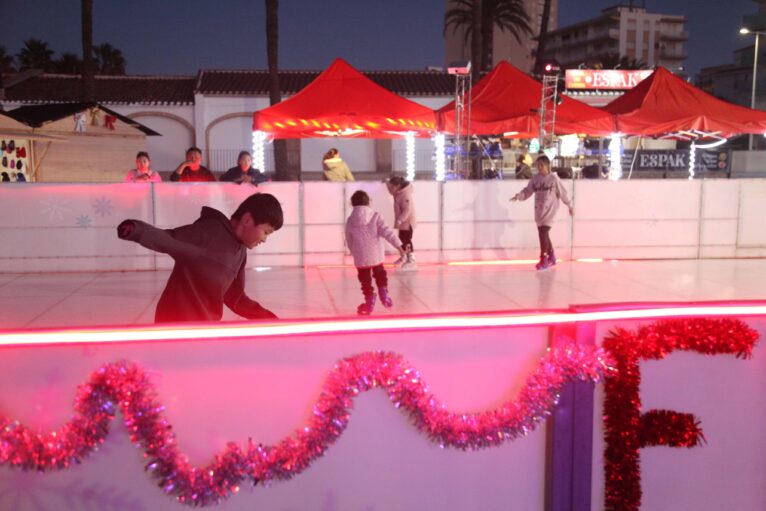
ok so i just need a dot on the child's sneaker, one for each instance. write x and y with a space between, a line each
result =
385 298
543 263
552 259
367 307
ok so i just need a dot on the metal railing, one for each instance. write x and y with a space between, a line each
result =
423 160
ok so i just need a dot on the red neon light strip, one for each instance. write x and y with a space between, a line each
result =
144 334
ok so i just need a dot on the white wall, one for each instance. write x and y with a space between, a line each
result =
166 150
53 227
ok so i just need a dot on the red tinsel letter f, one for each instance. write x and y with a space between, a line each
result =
626 429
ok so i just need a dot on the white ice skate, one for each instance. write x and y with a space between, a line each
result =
409 263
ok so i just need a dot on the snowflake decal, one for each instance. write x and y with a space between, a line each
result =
54 208
231 202
103 206
83 221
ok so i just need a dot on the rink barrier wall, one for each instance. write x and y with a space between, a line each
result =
235 381
71 227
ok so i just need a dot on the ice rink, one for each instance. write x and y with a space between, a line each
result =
124 298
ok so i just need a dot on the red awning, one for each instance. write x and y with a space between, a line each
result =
508 100
664 103
343 102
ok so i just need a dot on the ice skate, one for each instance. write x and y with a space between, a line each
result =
385 298
368 306
409 264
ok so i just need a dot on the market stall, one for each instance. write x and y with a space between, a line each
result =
507 100
666 106
18 142
343 103
100 143
664 103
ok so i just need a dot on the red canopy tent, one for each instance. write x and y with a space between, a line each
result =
343 102
664 103
508 100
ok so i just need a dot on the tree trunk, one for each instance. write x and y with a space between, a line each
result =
476 52
88 71
282 170
487 40
542 36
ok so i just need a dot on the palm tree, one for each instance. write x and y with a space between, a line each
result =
281 172
506 15
6 66
6 61
68 64
476 42
109 60
88 65
542 37
35 55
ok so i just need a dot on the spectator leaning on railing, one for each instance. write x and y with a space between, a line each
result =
192 170
244 172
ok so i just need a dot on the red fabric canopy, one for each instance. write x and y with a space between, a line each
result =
343 102
508 100
664 103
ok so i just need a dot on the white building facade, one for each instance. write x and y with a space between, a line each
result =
622 31
214 111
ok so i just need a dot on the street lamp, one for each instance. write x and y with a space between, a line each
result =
745 31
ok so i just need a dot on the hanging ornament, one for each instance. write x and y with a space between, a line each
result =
109 121
95 113
79 122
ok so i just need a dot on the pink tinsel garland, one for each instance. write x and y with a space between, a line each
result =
125 386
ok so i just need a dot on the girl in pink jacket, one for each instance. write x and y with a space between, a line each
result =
365 230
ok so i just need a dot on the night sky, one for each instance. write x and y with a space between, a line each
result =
181 36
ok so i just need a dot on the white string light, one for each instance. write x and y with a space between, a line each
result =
692 159
259 151
409 137
615 157
440 157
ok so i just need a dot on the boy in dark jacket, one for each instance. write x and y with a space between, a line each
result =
210 257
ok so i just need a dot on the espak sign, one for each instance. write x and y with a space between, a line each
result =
611 79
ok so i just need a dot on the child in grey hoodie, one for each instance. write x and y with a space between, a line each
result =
210 257
364 231
548 191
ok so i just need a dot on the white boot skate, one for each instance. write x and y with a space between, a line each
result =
409 263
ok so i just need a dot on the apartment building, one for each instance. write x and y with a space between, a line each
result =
624 30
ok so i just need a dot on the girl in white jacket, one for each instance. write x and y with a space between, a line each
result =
404 218
365 230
